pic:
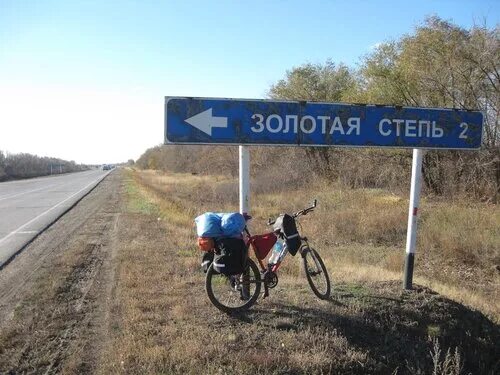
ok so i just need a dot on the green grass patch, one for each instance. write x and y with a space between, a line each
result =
136 201
433 330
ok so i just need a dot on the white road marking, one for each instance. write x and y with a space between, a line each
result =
24 192
53 177
45 212
32 191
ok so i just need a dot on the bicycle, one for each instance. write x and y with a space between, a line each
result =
239 292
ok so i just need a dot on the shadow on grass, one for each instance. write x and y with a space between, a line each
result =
396 328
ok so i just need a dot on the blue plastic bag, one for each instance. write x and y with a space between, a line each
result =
209 225
232 224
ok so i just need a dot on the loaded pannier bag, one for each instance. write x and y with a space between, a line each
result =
287 226
206 261
230 256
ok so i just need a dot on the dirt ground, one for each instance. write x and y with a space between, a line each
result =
115 287
54 296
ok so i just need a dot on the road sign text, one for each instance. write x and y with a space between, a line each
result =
263 122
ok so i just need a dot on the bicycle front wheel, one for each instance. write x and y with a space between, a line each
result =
316 273
233 293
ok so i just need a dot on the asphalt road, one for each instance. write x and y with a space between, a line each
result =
27 207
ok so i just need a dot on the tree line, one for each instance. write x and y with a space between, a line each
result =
23 165
439 64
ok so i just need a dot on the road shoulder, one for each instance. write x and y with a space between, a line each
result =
55 296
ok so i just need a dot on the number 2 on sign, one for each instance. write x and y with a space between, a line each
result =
465 127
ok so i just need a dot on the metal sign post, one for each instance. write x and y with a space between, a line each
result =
244 155
411 235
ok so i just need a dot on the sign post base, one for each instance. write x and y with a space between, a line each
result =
408 275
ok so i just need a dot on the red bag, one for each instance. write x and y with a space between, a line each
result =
206 243
263 243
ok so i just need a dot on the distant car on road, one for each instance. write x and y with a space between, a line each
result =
106 167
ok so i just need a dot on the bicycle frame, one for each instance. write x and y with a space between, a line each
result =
269 268
251 243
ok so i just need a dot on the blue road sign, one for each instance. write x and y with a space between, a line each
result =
267 122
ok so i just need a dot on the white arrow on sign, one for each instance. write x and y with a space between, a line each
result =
204 121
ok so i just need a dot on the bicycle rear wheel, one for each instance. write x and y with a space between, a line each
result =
234 293
316 273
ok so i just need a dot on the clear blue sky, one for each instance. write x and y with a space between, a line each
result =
85 80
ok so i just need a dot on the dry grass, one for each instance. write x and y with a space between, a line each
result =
458 243
164 322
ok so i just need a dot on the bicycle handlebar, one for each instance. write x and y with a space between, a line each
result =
305 211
